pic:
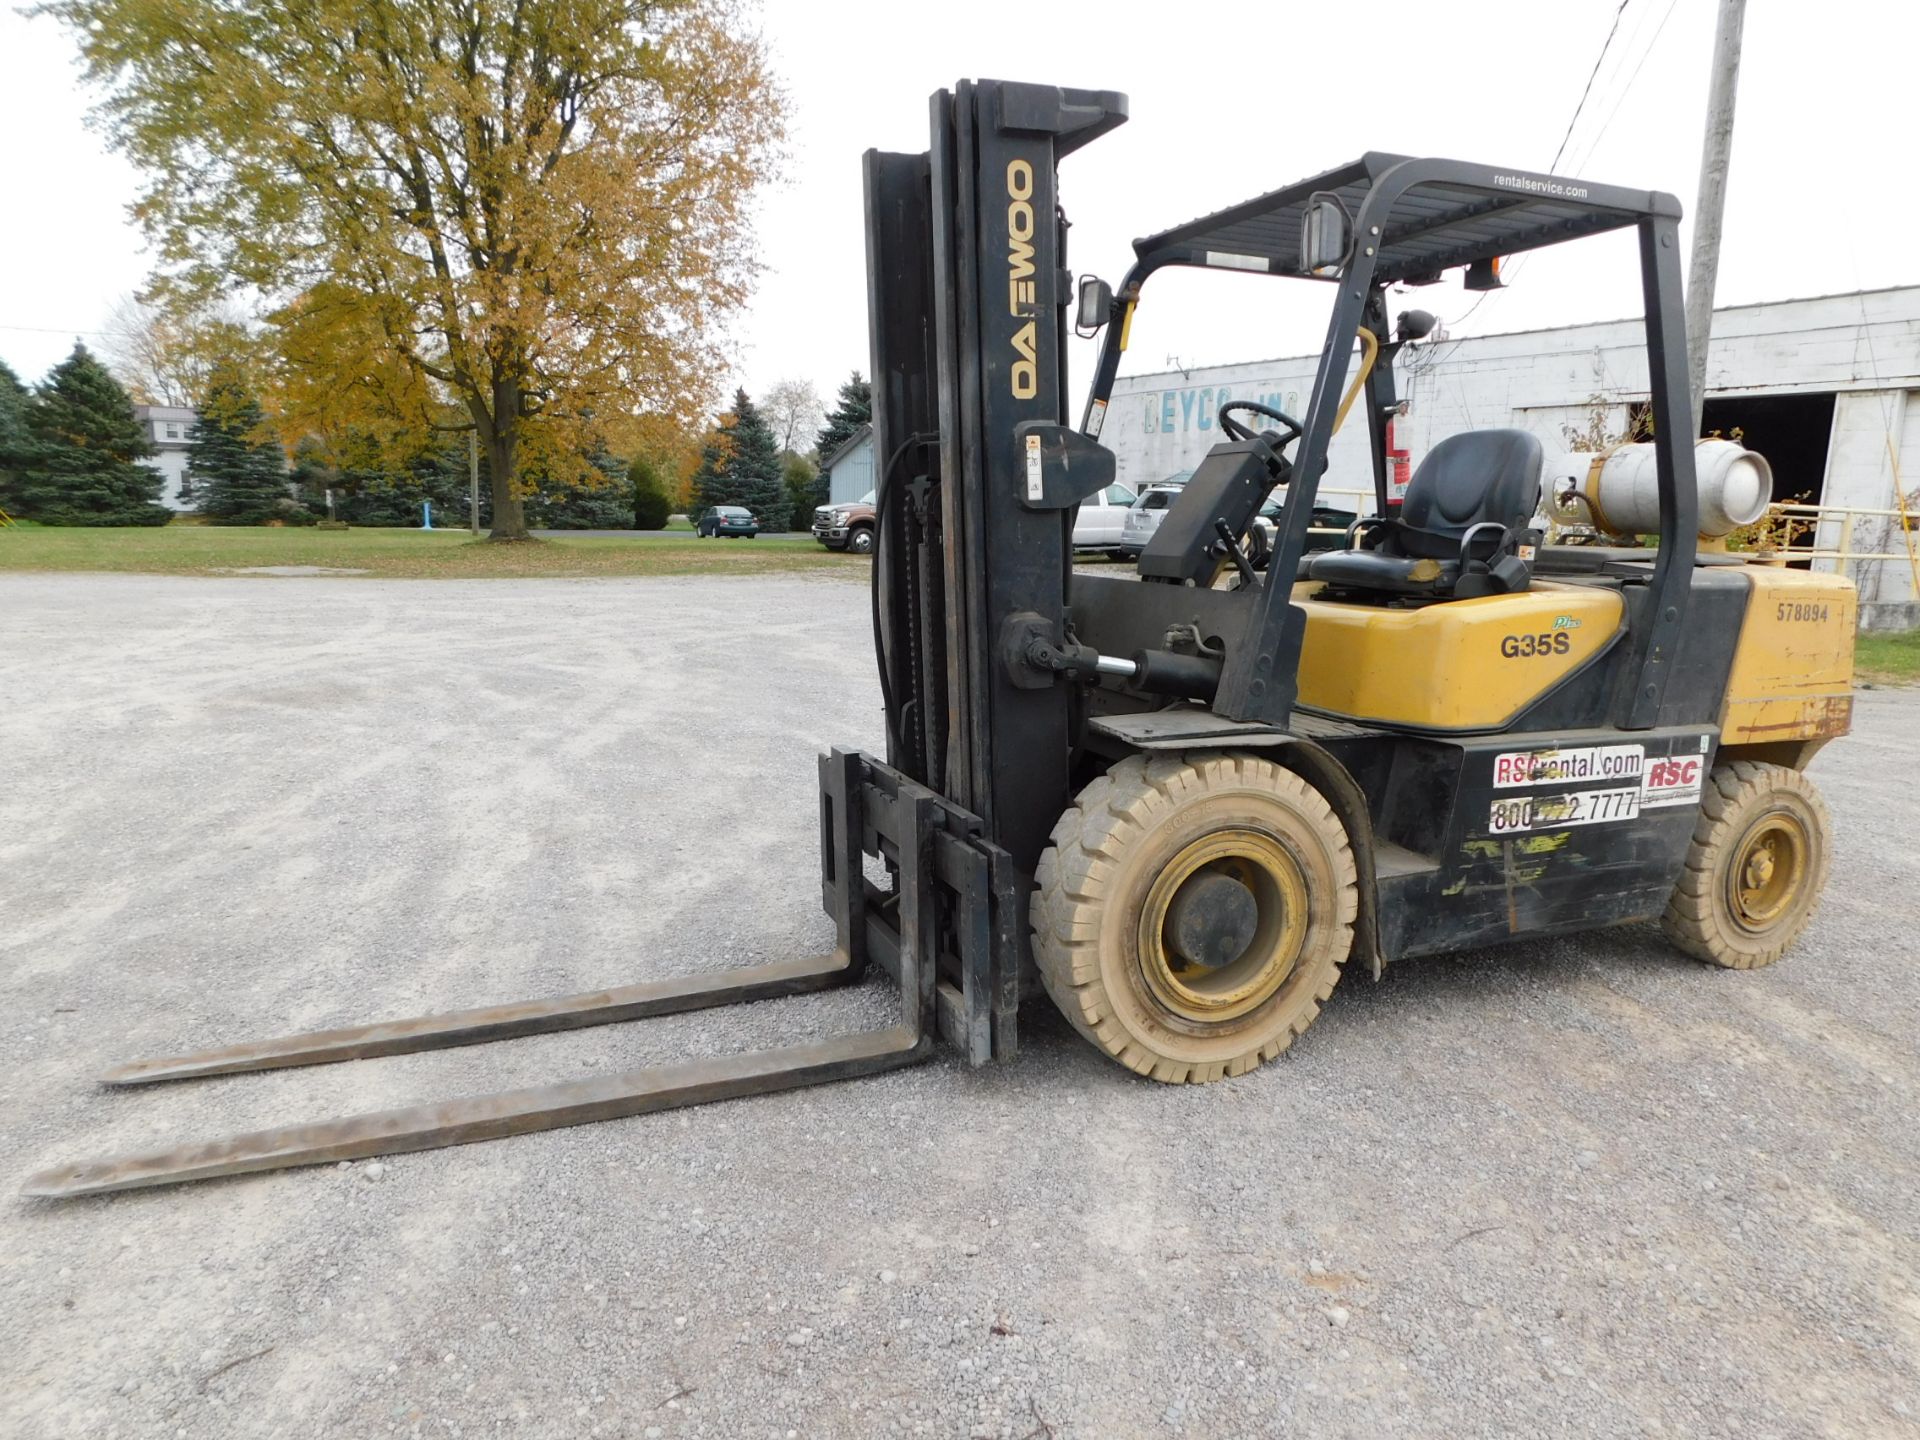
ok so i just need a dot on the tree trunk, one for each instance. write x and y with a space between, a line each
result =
503 444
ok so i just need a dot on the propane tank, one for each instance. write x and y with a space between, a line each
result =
1619 489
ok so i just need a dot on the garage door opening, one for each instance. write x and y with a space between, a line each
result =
1792 431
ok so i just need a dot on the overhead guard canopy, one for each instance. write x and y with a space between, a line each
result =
1454 214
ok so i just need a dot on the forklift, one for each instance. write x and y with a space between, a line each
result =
1182 802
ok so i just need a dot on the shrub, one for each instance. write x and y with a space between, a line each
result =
651 504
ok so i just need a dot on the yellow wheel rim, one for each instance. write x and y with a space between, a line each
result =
1769 868
1272 877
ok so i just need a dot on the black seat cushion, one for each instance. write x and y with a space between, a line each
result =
1474 478
1377 570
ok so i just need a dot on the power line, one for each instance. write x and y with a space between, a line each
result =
58 330
1554 165
1606 45
1645 55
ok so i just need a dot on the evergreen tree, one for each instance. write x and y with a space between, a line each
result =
84 449
586 504
740 465
13 434
852 409
238 474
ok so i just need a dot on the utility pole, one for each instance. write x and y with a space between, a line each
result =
1715 151
473 480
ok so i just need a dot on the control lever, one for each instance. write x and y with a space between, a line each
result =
1229 546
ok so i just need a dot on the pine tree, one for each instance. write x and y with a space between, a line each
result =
238 474
13 435
84 448
740 465
851 410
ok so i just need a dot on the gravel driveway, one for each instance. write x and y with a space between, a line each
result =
1569 1188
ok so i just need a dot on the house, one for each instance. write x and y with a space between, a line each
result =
849 470
167 427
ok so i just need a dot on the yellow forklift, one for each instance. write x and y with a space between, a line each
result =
1180 802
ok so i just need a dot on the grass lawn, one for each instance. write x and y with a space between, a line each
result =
403 554
1888 658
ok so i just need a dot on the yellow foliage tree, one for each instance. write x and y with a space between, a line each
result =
532 209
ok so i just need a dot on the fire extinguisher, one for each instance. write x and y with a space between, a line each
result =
1399 471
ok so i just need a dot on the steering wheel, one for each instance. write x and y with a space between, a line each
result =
1241 432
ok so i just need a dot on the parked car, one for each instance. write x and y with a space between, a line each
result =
846 527
733 521
1101 523
1327 532
1146 513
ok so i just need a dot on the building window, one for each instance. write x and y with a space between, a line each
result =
173 432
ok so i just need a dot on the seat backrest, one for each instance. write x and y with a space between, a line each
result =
1466 479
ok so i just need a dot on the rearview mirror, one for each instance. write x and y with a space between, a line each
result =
1325 235
1415 325
1096 303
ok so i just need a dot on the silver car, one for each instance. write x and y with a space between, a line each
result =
1101 523
1147 513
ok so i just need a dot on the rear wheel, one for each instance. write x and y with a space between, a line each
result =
1193 913
1759 859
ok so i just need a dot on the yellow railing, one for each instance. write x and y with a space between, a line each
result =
1795 532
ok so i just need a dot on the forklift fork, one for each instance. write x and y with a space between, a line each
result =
951 905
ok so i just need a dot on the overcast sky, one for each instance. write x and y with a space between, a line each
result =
1226 101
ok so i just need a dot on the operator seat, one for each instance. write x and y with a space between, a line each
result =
1462 530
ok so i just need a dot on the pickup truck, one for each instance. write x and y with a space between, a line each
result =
846 527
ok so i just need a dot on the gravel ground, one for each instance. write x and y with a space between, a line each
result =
1566 1188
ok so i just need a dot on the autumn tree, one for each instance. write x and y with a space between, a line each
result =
535 209
740 465
166 356
793 412
852 408
84 449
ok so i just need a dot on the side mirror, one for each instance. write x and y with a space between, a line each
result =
1095 306
1325 235
1415 325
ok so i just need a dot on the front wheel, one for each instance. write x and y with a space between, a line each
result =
860 542
1759 859
1193 914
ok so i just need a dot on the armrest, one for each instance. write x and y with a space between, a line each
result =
1359 526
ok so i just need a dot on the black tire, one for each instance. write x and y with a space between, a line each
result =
860 540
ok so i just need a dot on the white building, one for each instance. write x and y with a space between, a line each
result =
167 427
849 469
1827 388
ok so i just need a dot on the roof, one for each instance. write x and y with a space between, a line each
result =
848 446
1451 213
1306 360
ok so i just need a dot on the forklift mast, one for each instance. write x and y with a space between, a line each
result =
968 295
